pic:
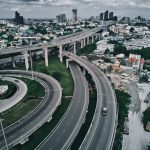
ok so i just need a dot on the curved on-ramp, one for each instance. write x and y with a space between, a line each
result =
21 130
6 104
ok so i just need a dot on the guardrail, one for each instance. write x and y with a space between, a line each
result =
25 136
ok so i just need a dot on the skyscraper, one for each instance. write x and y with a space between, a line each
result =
101 16
111 15
18 19
74 11
61 18
106 15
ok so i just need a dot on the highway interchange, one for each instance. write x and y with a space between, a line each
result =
102 129
21 130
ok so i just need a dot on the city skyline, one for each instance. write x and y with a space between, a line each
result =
50 8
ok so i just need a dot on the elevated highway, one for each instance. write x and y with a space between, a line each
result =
102 129
20 131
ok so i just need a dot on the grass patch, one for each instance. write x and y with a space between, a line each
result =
43 131
59 72
146 117
87 49
27 105
123 100
11 89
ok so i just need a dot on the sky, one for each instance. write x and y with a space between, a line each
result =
86 8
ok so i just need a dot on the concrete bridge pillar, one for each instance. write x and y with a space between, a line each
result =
26 59
93 39
82 44
84 72
13 62
60 53
88 40
46 56
74 48
67 62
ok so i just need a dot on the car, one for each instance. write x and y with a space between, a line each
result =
126 128
104 111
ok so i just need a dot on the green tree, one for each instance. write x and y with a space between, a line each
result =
107 51
132 29
144 78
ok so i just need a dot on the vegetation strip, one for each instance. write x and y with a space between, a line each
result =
123 100
31 100
11 89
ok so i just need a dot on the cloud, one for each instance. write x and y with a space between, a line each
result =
60 3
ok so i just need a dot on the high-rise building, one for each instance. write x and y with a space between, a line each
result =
18 19
111 15
101 16
74 11
106 15
61 18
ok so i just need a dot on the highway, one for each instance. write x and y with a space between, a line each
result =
55 43
6 104
22 129
101 131
69 127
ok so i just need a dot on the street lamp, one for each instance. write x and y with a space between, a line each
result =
3 132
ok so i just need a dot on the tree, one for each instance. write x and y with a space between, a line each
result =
132 30
144 78
107 51
120 48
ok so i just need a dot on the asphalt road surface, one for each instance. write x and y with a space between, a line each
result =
65 133
102 127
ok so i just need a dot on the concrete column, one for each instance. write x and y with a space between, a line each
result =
84 42
46 56
13 62
88 40
84 72
26 59
67 63
93 39
74 48
60 53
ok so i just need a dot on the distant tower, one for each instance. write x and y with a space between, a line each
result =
106 15
17 16
74 11
18 19
101 16
111 15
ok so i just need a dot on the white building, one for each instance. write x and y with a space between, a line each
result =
137 44
103 45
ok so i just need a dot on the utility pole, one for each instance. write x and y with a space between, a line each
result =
3 132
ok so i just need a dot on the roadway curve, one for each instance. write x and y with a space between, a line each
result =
6 104
69 127
101 132
21 130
